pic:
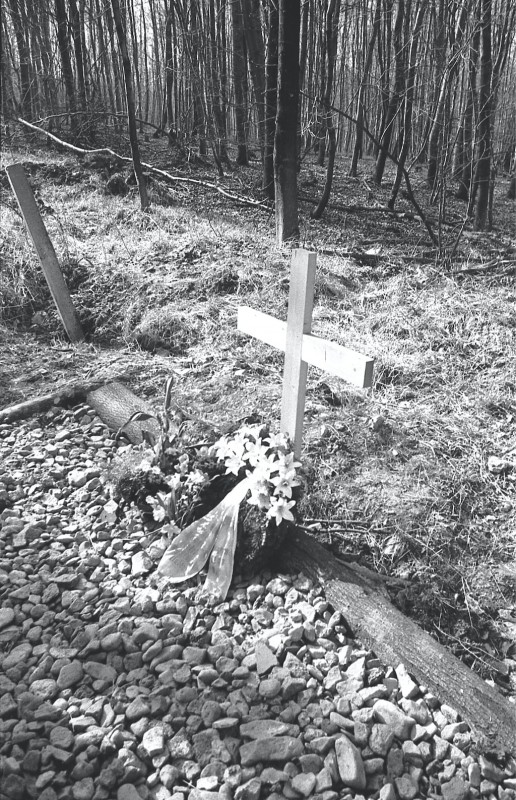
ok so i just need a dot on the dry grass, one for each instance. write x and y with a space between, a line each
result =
399 475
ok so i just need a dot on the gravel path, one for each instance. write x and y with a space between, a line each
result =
116 685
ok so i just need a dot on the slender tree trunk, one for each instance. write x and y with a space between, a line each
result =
285 144
408 105
359 138
271 89
131 114
395 98
168 115
483 166
331 31
66 63
256 55
240 83
79 57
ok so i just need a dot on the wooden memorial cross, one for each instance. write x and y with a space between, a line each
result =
45 251
301 348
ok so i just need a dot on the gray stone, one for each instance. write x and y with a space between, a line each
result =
46 688
83 789
265 658
391 715
6 617
350 764
70 675
276 748
406 787
304 783
153 741
381 739
180 747
456 789
128 792
263 729
250 790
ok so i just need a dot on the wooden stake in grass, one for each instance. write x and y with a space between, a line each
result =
45 251
301 347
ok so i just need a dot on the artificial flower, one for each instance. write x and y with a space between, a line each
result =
280 510
284 483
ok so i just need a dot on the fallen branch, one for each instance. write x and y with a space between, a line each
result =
248 201
359 594
70 395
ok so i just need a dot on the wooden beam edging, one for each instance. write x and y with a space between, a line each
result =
395 639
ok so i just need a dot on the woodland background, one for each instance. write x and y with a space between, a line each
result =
421 83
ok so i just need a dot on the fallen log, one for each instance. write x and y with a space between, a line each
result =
115 404
358 593
69 395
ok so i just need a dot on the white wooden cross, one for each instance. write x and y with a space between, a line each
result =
301 348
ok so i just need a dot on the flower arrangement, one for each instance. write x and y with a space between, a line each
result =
231 501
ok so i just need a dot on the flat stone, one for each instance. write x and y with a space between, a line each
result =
275 748
179 746
6 617
128 792
46 688
265 658
100 672
18 655
456 789
153 741
263 729
408 688
141 564
381 739
391 715
70 675
350 764
83 789
406 787
304 783
61 737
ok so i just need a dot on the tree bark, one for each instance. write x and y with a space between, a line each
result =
271 94
408 105
285 141
331 31
359 594
131 114
483 165
395 97
239 83
66 63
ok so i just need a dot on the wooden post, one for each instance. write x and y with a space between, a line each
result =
301 348
299 322
45 251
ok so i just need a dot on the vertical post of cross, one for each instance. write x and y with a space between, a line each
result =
45 251
299 322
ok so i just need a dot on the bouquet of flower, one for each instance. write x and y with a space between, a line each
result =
229 502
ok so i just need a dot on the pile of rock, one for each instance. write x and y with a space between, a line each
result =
116 685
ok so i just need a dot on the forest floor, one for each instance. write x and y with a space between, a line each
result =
416 478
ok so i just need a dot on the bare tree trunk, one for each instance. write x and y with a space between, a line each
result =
408 105
131 115
483 166
271 91
285 143
331 31
395 98
66 63
359 137
256 56
239 83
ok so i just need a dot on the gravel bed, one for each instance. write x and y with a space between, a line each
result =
115 684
